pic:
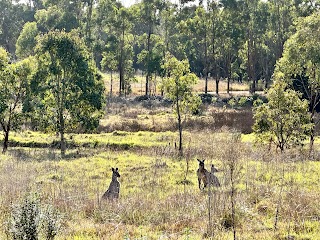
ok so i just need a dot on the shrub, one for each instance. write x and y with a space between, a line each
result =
30 219
24 220
50 222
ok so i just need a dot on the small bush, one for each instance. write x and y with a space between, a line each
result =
24 221
50 222
30 220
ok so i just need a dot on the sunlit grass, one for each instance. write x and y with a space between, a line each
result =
138 87
154 201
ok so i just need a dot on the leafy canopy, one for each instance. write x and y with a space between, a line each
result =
284 119
300 64
68 87
178 85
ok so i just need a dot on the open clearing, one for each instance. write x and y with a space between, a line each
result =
159 196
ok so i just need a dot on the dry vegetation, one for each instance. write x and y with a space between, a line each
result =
159 195
138 87
158 199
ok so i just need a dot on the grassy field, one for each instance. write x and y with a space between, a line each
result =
159 196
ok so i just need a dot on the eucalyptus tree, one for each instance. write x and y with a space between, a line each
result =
282 14
14 83
119 46
13 17
198 43
26 42
263 59
215 19
56 17
300 64
153 59
284 119
231 35
149 15
68 91
48 16
103 13
178 86
251 43
170 30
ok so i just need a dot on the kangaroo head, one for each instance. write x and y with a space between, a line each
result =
201 163
213 169
115 173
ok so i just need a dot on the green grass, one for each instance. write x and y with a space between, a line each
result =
121 139
154 203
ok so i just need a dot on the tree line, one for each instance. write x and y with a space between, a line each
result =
237 40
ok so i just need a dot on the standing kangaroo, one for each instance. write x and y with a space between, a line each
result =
202 174
212 178
205 176
114 187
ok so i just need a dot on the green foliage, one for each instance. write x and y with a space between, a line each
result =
67 86
151 60
300 64
118 52
25 218
178 85
26 42
56 18
284 119
302 51
11 22
4 59
50 222
14 84
32 220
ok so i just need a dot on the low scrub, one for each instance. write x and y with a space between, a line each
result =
32 220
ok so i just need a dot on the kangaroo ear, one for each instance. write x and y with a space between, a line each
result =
198 160
117 169
203 160
112 169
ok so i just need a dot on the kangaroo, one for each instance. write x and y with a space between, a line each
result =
212 178
207 177
114 187
202 174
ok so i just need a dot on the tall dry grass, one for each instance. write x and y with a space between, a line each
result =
159 200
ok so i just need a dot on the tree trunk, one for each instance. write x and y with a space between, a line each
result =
61 131
111 83
206 84
206 63
312 134
121 62
180 127
229 72
62 144
5 141
217 85
250 70
121 76
148 60
88 22
147 83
